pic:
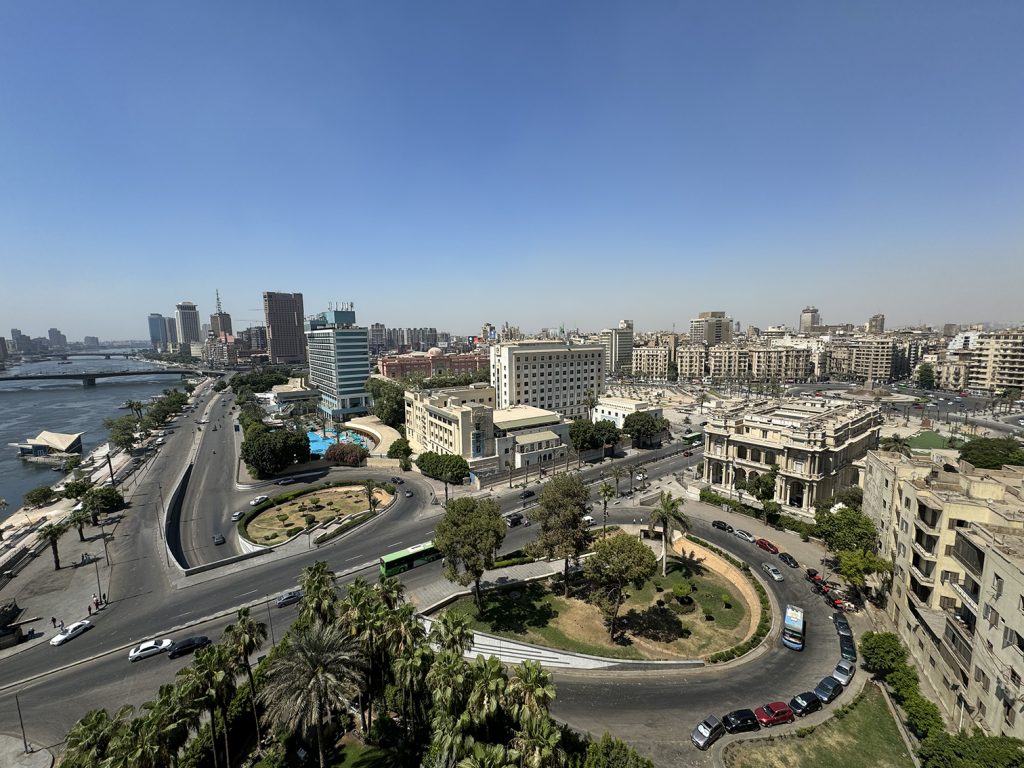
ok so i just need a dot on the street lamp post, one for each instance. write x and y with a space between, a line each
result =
270 619
99 587
21 722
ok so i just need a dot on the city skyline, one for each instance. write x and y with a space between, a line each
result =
543 165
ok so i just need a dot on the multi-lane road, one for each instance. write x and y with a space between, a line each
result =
148 598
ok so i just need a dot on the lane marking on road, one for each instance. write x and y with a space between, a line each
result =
394 544
250 592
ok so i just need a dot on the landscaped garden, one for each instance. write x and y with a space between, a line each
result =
862 736
691 612
284 519
924 441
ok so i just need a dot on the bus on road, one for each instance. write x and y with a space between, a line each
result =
793 628
403 560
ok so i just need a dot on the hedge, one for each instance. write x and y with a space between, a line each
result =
763 626
788 522
347 525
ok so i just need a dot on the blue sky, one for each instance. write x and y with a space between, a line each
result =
451 163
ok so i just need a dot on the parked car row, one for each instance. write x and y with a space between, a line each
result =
764 544
170 647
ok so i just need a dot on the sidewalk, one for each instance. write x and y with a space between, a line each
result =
12 754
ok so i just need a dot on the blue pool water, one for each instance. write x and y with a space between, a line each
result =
319 444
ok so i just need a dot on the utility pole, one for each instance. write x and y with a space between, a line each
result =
21 722
110 468
99 587
270 618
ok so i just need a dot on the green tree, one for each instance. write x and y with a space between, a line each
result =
668 515
89 739
563 534
896 444
121 431
926 376
583 437
400 449
618 561
529 693
78 519
590 401
486 692
268 453
319 593
469 536
606 434
244 637
101 499
762 488
882 652
316 679
388 400
220 386
609 752
40 495
992 452
75 489
970 750
607 493
923 716
851 496
846 529
444 467
855 564
452 633
644 427
50 534
617 472
208 682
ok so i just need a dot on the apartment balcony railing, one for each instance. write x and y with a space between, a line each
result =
925 526
922 551
969 599
921 576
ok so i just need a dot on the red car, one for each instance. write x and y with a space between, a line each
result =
767 546
775 713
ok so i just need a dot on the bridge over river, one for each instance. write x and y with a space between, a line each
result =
88 378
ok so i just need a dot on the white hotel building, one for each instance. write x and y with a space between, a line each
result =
552 375
339 363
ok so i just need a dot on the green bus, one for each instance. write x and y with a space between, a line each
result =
403 560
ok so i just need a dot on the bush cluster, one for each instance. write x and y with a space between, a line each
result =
787 522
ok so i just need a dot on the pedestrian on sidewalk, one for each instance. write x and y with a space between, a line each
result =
53 620
90 609
62 625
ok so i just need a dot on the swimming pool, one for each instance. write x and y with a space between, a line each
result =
318 444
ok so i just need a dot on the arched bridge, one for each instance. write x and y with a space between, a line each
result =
88 378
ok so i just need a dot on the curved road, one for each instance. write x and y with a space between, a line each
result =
653 711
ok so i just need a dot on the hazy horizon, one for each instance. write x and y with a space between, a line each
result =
451 164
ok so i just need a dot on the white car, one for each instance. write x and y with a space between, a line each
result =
739 533
70 631
774 573
588 519
149 648
236 516
258 500
844 672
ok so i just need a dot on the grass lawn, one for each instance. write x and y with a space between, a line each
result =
924 441
866 738
533 614
271 525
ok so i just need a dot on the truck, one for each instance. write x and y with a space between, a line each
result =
793 628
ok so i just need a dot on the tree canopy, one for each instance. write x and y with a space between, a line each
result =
267 453
469 536
926 376
609 752
846 529
346 454
882 652
42 494
445 467
399 449
992 452
970 750
388 400
617 562
121 431
644 426
560 515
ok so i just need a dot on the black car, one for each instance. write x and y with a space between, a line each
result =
218 539
740 720
788 559
721 525
847 648
828 689
526 494
805 703
397 481
188 645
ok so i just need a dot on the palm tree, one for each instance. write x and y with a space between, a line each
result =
590 400
171 717
410 674
487 692
244 638
897 444
50 534
452 633
668 515
319 593
135 407
371 500
632 468
490 756
78 518
701 398
529 693
539 745
137 745
607 494
209 682
3 506
319 676
88 740
618 472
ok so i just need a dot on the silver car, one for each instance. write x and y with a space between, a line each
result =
149 648
739 533
774 573
844 672
707 732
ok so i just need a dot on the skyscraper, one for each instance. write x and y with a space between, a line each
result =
220 321
618 347
187 319
339 362
157 331
711 328
57 339
875 324
286 340
809 318
171 332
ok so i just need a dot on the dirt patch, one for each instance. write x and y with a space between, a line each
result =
276 524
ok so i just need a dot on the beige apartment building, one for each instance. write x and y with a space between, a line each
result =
957 594
651 362
691 361
781 363
867 358
818 445
997 362
457 420
728 361
551 375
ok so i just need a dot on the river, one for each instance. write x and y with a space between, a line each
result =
29 407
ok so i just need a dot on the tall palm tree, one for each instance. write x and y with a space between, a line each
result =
632 468
452 633
487 691
391 591
79 518
369 486
171 717
618 472
50 534
529 693
668 515
361 616
897 444
320 593
319 676
607 494
490 756
590 400
137 745
209 682
539 745
244 637
410 674
88 740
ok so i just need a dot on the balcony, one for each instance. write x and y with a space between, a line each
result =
925 526
959 640
922 551
921 576
969 599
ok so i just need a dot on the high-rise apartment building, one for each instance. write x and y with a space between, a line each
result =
186 317
711 328
875 324
91 342
618 347
809 318
157 331
220 321
253 339
57 339
339 362
286 339
171 332
867 358
378 338
552 375
997 361
651 362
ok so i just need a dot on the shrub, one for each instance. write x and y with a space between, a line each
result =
709 616
904 682
923 716
803 733
682 591
282 517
